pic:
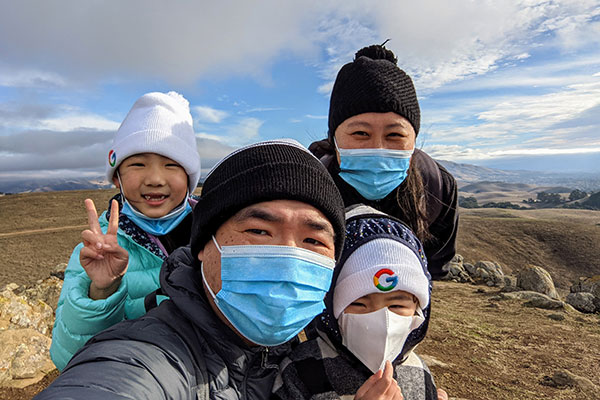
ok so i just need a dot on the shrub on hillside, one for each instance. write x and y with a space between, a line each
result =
467 202
577 195
549 198
503 204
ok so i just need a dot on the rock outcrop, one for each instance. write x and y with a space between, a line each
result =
532 284
585 295
26 320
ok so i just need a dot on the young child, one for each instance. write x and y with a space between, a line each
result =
155 164
377 311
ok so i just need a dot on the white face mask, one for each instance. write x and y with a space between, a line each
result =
377 337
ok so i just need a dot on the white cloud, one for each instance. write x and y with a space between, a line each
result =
72 122
310 116
243 131
458 153
29 78
28 115
209 114
436 41
263 109
563 117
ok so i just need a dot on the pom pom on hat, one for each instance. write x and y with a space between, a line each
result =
373 83
158 123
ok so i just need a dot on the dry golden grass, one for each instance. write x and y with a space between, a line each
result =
496 350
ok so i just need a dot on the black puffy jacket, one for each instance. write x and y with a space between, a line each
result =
179 350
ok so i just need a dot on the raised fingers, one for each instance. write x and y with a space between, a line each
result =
113 223
89 253
92 239
92 216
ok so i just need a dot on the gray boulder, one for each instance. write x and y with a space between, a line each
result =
537 279
456 272
582 301
587 285
488 272
510 284
534 299
470 268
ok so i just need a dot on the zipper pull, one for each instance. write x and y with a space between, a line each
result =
265 359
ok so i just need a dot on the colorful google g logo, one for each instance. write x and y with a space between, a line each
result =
391 280
112 158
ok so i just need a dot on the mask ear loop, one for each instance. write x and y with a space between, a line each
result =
123 197
217 244
212 294
202 270
121 185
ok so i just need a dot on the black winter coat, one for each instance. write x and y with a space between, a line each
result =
442 203
179 350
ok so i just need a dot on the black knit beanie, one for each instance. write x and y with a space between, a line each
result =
373 83
272 170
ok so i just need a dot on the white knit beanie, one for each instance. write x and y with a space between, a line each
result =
158 123
379 266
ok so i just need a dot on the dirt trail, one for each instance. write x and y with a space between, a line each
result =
30 231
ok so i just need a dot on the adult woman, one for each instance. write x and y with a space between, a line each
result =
374 120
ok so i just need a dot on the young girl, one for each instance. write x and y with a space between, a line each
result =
377 311
374 120
155 164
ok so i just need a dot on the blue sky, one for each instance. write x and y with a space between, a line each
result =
506 84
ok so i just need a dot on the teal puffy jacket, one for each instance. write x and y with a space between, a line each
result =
78 317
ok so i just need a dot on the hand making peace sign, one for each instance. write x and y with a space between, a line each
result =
104 261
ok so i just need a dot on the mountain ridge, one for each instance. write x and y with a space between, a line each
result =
464 174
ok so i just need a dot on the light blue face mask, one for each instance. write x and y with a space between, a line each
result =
270 293
374 173
156 226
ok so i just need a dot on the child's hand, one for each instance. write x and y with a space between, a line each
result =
442 395
101 257
381 385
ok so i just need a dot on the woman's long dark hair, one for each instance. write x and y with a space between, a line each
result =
412 201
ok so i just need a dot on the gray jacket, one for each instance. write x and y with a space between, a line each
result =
179 350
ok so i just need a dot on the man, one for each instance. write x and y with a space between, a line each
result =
265 236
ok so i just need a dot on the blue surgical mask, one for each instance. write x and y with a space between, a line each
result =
270 293
374 173
156 226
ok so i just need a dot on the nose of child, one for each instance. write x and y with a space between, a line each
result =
155 177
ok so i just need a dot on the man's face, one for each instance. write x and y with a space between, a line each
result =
278 223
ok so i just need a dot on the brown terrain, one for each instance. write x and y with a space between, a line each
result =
486 348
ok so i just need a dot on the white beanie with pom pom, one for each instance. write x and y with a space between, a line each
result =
158 123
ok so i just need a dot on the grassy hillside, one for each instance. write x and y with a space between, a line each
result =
487 348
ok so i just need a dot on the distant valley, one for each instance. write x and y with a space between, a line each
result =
465 174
